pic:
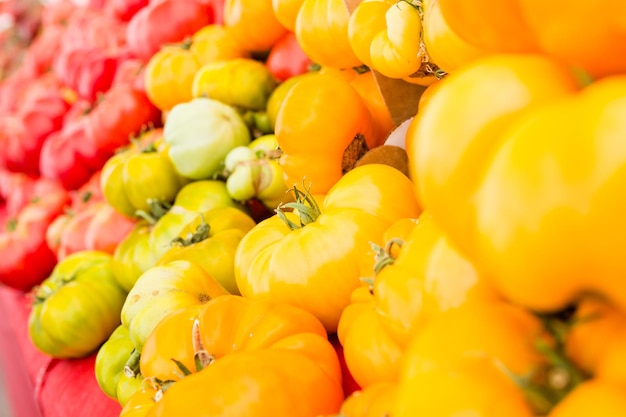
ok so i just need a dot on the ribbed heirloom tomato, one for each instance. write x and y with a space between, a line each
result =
322 127
250 350
517 182
312 259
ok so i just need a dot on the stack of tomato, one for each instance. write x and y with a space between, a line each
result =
213 201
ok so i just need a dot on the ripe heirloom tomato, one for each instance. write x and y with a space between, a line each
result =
165 21
280 258
169 76
261 343
313 109
462 362
286 12
386 36
253 23
445 48
244 83
210 241
287 59
594 397
373 401
496 27
216 43
322 32
365 84
518 217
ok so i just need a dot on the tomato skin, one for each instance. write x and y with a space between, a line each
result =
471 140
169 76
287 59
497 28
290 262
385 35
222 129
240 82
215 43
166 21
322 32
253 23
446 48
142 173
595 396
215 251
25 240
161 290
452 363
241 333
77 308
111 359
40 115
123 111
286 12
126 9
321 161
60 158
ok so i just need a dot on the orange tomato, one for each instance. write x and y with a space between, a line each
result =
365 84
314 131
253 349
322 32
216 43
593 398
253 23
169 75
287 12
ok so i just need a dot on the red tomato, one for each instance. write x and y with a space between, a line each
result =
25 259
287 59
165 21
123 112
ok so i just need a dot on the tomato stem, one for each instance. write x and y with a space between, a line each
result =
305 205
131 368
201 234
383 256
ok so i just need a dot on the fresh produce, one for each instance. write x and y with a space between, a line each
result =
314 208
134 179
199 135
329 234
239 337
77 307
341 138
163 289
385 35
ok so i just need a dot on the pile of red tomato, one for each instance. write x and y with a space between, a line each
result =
220 203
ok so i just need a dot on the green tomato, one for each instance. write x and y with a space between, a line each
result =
141 173
77 307
127 386
132 255
241 182
111 360
200 133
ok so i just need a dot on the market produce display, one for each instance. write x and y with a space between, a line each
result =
314 208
